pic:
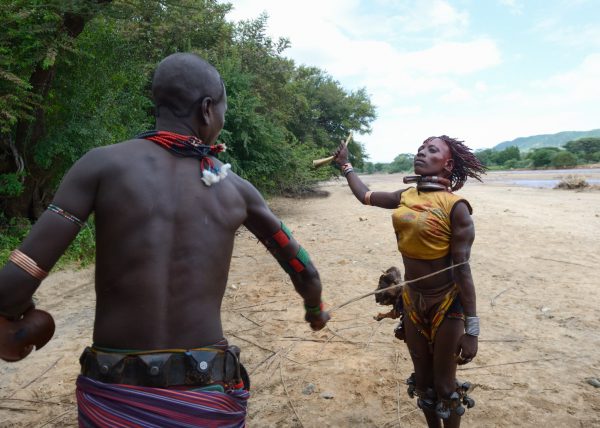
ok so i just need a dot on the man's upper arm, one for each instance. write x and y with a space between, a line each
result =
463 233
52 233
260 219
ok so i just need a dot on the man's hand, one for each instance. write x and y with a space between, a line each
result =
467 349
317 321
341 154
19 337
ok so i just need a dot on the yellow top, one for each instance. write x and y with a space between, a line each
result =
422 223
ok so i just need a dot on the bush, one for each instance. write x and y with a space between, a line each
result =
572 182
564 159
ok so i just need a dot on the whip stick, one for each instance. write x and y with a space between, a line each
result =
355 299
320 162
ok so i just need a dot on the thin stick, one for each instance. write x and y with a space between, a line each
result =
341 337
18 408
408 413
258 304
42 374
56 418
262 362
398 402
251 320
32 401
493 299
288 396
263 348
381 290
372 334
562 261
512 362
252 343
320 162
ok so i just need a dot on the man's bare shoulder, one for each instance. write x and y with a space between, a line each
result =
245 188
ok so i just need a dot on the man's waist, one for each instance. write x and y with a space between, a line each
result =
163 368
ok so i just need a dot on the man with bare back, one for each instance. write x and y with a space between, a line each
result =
166 212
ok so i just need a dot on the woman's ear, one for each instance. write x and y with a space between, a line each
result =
449 166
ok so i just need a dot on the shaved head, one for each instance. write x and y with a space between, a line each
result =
183 79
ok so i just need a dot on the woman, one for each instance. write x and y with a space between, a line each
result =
434 231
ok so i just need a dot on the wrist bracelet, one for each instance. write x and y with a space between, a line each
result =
316 310
472 326
347 168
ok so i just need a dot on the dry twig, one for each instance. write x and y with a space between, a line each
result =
493 299
288 396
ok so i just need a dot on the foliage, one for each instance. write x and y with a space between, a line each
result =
80 253
401 163
585 148
564 159
526 144
76 75
542 157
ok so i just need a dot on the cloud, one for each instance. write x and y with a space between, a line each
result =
514 6
429 73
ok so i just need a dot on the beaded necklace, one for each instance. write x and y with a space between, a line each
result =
191 146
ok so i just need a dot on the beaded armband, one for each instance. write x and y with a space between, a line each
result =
73 219
315 310
279 241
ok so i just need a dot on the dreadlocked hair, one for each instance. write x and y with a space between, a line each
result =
466 164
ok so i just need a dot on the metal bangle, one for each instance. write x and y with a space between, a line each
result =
472 326
29 265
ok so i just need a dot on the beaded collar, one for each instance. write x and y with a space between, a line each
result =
191 146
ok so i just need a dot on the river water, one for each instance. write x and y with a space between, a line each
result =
547 178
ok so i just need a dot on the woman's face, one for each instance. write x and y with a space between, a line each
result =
434 158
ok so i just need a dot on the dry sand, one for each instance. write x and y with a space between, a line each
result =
536 265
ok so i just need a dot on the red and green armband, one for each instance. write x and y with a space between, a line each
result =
277 245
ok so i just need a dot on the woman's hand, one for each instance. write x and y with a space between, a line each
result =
341 154
467 349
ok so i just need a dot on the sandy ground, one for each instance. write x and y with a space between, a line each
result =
536 265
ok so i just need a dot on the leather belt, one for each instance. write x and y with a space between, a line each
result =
164 369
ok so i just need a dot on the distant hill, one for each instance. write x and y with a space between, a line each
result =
546 140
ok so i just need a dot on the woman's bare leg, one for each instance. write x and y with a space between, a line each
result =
423 363
444 363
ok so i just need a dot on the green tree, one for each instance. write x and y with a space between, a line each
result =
401 163
510 153
584 148
76 75
543 156
564 159
35 35
486 156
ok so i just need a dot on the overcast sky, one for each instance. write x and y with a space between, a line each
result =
484 71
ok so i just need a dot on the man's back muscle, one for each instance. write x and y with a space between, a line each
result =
163 248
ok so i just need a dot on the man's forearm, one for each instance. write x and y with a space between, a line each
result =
308 285
16 289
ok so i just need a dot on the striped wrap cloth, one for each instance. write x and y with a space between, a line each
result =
124 406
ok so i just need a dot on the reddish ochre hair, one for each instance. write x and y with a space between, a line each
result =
466 164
